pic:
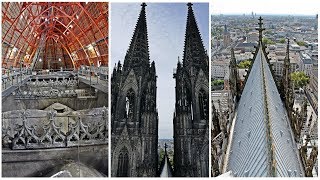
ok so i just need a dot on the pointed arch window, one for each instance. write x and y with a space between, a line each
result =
203 104
130 98
123 167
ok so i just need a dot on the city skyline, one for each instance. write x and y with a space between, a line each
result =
255 61
168 39
271 7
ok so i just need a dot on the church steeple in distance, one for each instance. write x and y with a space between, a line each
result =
137 56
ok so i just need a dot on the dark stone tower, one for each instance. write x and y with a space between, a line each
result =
134 116
191 117
226 37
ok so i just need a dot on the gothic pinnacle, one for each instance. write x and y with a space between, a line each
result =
288 47
260 29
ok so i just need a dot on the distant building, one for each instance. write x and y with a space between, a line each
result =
226 37
221 100
278 60
295 47
245 47
219 69
243 56
314 56
312 89
252 37
305 64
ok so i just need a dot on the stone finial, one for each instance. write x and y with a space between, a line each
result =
260 29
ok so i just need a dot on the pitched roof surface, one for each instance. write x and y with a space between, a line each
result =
262 143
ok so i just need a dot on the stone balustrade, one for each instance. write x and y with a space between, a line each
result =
40 93
53 83
27 132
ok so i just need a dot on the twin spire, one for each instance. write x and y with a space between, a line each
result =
138 52
194 51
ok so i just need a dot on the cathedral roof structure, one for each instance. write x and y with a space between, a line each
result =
262 142
43 35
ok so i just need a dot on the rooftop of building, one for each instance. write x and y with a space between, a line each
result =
261 140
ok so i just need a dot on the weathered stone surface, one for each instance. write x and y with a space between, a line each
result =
134 111
43 135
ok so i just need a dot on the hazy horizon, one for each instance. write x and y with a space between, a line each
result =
272 7
249 14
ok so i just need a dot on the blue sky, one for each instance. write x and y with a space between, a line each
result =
166 24
291 7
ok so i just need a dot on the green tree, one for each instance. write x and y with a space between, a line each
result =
244 64
282 40
217 82
300 79
301 43
161 154
267 41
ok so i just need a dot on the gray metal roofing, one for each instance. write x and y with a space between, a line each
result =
261 118
166 170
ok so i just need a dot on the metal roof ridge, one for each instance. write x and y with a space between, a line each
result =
272 161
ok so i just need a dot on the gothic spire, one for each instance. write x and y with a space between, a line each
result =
286 81
286 67
194 53
287 52
233 77
138 52
233 58
260 44
260 29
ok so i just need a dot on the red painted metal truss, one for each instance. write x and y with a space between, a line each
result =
51 35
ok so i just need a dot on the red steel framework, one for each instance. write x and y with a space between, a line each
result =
73 34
